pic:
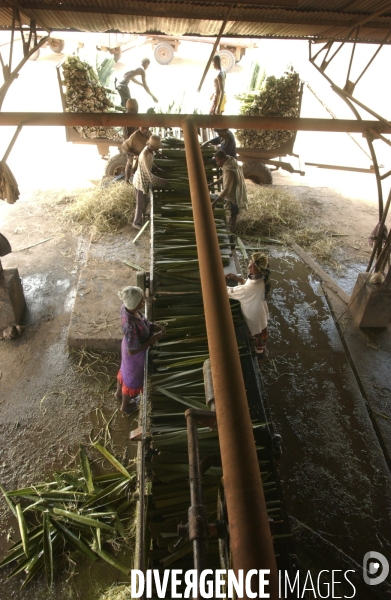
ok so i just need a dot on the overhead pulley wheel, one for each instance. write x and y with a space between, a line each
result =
227 60
56 45
164 53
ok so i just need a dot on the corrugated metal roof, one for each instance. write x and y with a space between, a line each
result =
313 18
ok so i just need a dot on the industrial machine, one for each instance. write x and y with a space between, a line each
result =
182 519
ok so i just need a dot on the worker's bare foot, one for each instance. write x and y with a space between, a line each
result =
131 409
129 404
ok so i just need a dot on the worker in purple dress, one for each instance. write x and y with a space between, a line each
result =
139 335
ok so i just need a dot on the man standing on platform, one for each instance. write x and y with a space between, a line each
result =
133 147
234 193
225 140
123 86
144 178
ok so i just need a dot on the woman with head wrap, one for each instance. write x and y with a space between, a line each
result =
139 334
252 297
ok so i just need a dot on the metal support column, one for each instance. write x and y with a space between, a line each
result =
250 536
198 524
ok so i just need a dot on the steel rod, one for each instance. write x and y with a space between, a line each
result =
377 175
197 513
373 58
384 255
334 117
214 48
352 55
250 536
14 74
12 142
207 121
379 237
362 105
12 40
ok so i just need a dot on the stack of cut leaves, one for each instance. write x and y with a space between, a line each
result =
85 93
75 512
177 381
277 97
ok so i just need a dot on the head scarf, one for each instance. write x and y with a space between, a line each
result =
260 260
131 296
154 142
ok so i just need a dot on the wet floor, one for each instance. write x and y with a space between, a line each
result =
334 474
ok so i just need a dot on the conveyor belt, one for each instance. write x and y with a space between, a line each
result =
176 383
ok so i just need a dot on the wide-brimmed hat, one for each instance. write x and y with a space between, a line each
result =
131 296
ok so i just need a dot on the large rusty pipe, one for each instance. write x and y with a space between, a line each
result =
203 121
251 541
217 41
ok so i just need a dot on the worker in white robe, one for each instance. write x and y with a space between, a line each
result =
251 293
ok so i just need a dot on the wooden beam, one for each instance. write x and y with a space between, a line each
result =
176 120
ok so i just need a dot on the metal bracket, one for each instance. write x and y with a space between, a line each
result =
346 93
197 523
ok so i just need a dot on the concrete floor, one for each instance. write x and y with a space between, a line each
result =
319 379
47 406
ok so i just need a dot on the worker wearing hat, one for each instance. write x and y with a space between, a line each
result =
144 178
234 192
133 147
252 293
139 335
